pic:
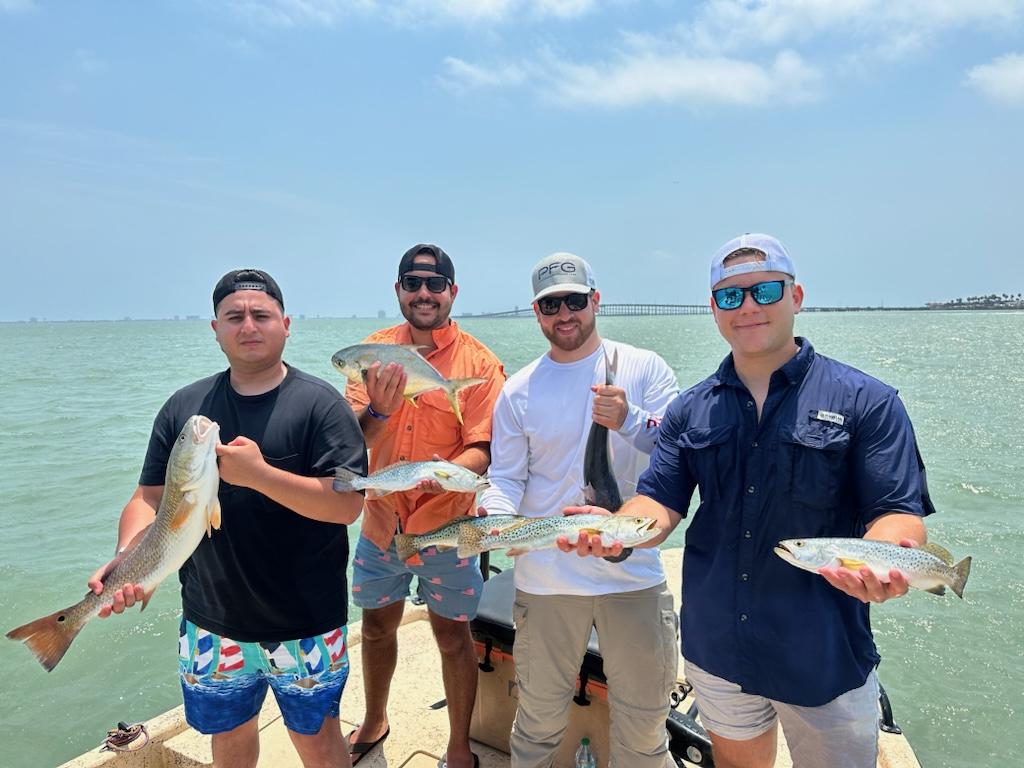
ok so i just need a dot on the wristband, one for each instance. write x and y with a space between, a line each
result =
374 414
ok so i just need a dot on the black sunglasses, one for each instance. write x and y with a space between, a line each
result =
550 305
412 283
768 292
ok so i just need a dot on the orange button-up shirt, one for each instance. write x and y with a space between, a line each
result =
416 433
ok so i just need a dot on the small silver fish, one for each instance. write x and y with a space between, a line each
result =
447 536
404 475
188 509
542 533
354 361
929 567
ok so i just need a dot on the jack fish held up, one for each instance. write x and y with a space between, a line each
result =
929 567
453 533
404 475
543 532
188 509
354 361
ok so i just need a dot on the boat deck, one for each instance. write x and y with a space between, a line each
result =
418 729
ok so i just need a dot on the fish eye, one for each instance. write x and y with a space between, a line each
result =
799 543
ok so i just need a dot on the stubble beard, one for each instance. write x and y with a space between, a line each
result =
571 343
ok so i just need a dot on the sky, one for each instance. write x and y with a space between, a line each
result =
148 147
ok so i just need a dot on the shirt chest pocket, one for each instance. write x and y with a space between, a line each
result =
812 463
709 454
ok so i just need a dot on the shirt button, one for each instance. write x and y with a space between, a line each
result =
754 444
746 534
743 617
401 458
750 489
744 576
409 428
750 403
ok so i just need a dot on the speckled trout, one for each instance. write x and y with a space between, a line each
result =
188 509
404 475
929 567
353 362
543 532
449 535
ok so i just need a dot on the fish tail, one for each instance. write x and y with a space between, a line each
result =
469 540
405 544
49 637
452 390
960 573
346 480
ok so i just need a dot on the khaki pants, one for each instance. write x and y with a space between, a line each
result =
638 635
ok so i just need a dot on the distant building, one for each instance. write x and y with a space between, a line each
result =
380 314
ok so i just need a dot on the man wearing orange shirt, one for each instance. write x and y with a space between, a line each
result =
396 431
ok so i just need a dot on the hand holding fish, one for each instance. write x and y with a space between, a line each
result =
610 406
385 385
241 462
124 596
430 484
588 544
864 585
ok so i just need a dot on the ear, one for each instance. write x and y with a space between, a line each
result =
596 301
398 289
455 291
798 298
287 325
213 324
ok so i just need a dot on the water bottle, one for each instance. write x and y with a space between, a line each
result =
584 757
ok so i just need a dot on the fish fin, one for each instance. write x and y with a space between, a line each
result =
405 546
937 590
940 552
516 552
440 474
186 507
48 637
411 400
381 492
345 480
214 512
416 349
469 540
588 531
852 563
452 389
960 573
145 599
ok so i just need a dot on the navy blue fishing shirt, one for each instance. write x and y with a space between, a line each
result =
834 450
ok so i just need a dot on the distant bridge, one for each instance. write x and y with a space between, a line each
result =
620 310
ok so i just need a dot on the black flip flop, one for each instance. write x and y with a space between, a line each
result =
358 749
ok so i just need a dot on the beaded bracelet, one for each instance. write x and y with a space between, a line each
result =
374 414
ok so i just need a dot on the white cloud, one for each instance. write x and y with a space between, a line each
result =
463 76
294 13
1001 80
687 80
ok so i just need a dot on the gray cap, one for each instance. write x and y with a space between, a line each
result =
561 273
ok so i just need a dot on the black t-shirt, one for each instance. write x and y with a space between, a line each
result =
268 574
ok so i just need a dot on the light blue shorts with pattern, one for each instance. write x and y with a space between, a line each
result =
449 585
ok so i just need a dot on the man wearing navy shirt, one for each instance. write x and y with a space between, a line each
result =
782 443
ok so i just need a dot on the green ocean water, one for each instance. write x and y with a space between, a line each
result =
77 401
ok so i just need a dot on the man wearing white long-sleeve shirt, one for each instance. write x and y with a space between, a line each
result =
539 433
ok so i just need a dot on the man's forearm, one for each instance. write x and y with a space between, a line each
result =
372 427
895 526
475 457
311 497
665 518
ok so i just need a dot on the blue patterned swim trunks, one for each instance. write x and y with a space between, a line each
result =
224 682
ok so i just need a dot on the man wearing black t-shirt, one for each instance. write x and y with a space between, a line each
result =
265 599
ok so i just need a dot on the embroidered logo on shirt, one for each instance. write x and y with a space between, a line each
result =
835 418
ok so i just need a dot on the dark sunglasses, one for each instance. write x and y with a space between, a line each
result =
768 292
550 305
412 283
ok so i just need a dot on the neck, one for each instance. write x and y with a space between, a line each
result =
755 371
425 338
590 346
259 380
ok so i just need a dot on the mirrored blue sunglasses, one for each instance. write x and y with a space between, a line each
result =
768 292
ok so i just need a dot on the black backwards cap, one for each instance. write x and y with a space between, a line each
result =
246 280
442 266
